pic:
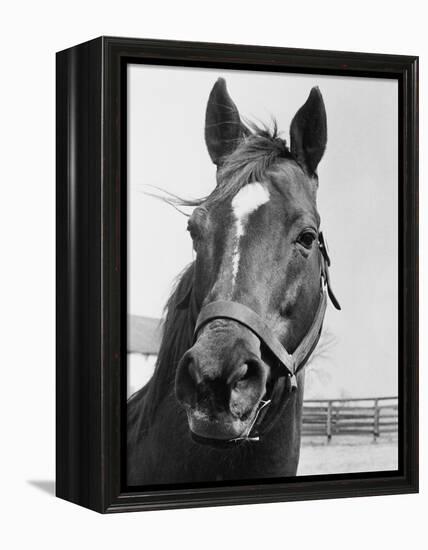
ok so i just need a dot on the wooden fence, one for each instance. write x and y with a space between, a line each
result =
334 417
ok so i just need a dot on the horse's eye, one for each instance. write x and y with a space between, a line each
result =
307 238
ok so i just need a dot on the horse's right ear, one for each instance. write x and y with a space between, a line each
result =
223 126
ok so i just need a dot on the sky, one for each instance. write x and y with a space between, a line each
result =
357 202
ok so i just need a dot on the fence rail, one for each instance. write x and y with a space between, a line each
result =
334 417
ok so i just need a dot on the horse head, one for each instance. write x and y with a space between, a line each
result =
258 268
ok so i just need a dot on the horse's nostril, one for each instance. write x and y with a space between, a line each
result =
238 375
247 388
248 372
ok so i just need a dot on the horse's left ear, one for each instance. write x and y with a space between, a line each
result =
308 132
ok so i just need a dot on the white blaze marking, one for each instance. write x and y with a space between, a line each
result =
245 202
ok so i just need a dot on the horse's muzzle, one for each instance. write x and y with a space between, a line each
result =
221 381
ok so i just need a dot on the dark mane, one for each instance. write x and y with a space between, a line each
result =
177 337
257 152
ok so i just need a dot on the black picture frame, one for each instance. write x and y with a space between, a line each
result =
91 271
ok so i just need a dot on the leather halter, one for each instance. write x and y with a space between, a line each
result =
291 362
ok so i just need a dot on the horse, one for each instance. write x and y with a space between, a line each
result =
226 397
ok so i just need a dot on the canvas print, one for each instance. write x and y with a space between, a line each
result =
261 276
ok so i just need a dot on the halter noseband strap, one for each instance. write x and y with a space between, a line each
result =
249 319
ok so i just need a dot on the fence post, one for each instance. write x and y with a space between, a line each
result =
376 420
329 407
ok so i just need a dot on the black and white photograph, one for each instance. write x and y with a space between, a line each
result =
213 271
262 275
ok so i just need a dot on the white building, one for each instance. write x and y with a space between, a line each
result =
144 337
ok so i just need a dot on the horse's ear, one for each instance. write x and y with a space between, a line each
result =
223 126
308 132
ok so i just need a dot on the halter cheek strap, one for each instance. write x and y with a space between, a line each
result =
325 264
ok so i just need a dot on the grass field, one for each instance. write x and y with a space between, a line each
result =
347 454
